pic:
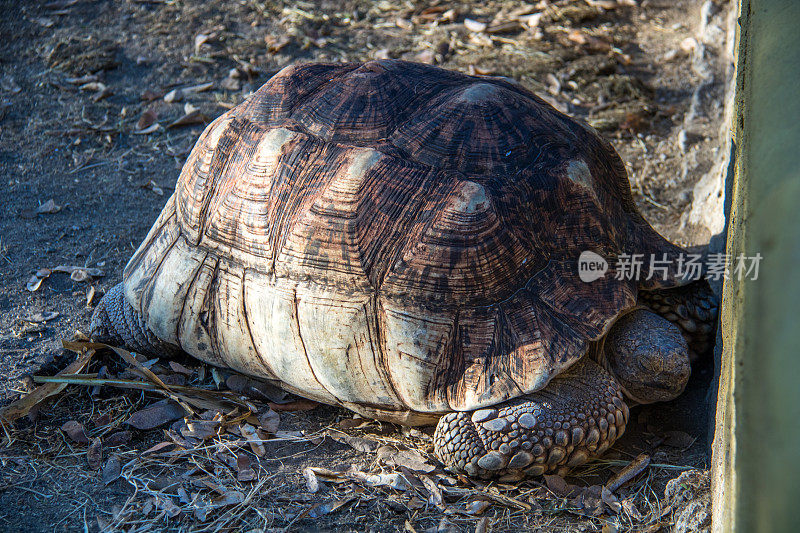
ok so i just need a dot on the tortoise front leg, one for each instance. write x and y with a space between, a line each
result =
693 308
576 417
117 323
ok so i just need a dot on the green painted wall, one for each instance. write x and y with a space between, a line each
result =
757 442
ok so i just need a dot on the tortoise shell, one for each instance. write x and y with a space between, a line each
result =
392 237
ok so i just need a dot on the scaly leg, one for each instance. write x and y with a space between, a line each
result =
576 417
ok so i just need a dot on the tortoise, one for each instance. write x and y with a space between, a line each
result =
404 241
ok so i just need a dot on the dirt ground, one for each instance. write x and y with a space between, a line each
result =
80 79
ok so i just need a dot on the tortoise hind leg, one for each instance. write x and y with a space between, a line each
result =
116 322
576 417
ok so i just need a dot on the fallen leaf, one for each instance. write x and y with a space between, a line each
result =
357 443
232 497
195 117
147 119
244 470
411 459
200 429
477 507
175 95
610 500
90 294
269 421
151 186
34 283
158 414
75 431
199 88
322 509
312 483
83 79
484 525
83 273
557 485
200 39
118 438
41 317
249 433
94 454
474 25
168 506
177 367
48 208
112 469
394 480
158 447
23 406
435 494
150 129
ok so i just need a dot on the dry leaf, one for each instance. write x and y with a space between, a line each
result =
200 429
232 497
118 438
244 470
48 208
78 273
484 525
195 117
474 25
34 283
249 433
327 507
158 414
175 95
150 129
312 483
158 447
83 79
394 480
269 421
557 485
23 406
435 493
147 119
200 39
411 459
168 506
426 56
90 294
41 317
357 443
151 186
177 367
477 507
112 469
610 500
199 88
75 431
94 454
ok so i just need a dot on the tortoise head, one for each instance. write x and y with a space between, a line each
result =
648 356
